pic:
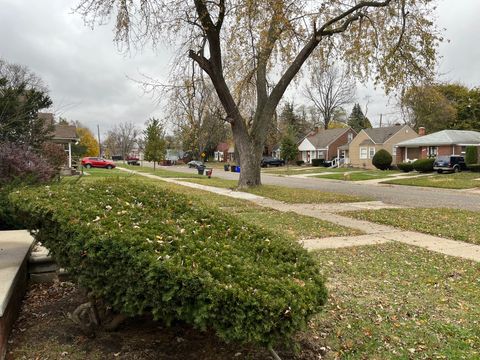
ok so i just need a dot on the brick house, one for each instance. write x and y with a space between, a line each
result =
445 142
368 141
324 144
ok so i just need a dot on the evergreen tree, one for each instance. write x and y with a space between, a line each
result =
19 106
155 144
290 121
357 121
289 147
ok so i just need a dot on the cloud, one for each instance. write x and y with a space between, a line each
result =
88 76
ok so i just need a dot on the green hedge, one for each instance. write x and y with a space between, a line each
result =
474 167
382 159
405 167
423 165
317 162
146 249
471 155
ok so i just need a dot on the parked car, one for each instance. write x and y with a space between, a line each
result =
194 164
454 163
132 160
271 161
96 162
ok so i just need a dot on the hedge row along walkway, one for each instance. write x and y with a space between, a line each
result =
374 233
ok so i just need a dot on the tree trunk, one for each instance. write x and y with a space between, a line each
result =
249 150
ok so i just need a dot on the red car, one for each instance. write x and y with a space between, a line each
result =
90 162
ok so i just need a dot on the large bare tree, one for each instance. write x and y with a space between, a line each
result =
258 47
198 116
329 90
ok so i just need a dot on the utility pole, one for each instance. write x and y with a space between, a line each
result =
381 116
99 143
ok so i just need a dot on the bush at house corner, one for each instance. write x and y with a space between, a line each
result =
147 249
382 159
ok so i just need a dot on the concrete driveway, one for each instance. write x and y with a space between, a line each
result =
390 194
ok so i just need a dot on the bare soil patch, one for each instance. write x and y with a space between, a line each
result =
43 331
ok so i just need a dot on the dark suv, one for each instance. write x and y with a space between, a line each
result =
271 161
454 163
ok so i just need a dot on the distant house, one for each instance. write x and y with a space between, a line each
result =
64 135
368 141
445 142
324 144
172 156
225 152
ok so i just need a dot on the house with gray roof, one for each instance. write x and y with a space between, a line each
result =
63 135
324 144
445 142
368 141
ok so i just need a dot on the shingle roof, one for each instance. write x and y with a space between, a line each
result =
222 147
65 132
380 135
445 137
322 138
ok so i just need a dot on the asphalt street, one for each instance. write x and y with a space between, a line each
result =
390 194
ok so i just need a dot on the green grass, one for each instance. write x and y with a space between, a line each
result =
162 172
394 301
447 181
297 170
456 224
360 175
291 224
286 194
96 173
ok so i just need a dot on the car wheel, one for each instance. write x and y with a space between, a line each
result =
88 166
439 171
109 167
456 169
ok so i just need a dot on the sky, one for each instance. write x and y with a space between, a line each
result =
90 80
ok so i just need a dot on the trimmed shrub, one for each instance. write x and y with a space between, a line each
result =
300 162
471 155
405 166
382 159
474 167
423 165
143 249
318 162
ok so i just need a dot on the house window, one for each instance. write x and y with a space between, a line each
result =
432 151
394 151
363 153
350 137
371 152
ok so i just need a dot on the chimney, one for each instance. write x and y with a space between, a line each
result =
421 131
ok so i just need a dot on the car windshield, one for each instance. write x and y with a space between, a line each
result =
443 158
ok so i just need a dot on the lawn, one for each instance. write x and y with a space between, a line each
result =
360 175
464 180
286 194
162 172
456 224
297 170
100 173
394 301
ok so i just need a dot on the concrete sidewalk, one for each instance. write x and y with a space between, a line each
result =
375 233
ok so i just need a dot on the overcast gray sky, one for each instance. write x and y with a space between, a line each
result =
88 77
